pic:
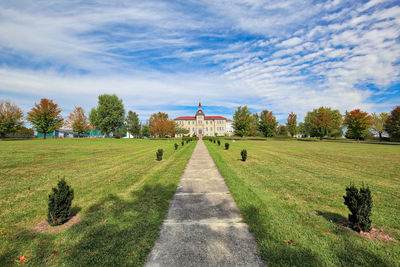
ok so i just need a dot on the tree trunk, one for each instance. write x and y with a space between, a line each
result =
44 136
380 136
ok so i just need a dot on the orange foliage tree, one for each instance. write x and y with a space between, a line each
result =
78 121
45 117
161 125
357 123
10 118
322 124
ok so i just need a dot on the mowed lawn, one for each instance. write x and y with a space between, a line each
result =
290 194
121 193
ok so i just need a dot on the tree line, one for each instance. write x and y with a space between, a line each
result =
108 117
321 122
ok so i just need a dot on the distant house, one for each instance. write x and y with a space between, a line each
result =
60 133
229 127
65 133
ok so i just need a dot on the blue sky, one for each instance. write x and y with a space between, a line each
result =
282 56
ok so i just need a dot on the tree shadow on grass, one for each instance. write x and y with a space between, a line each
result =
333 217
113 232
349 251
276 252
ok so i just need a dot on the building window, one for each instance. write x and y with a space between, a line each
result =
207 129
193 129
210 128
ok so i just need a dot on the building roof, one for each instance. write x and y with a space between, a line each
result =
229 120
205 117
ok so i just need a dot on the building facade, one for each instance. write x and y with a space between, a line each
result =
201 125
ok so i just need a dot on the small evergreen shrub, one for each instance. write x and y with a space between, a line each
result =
219 142
359 203
183 143
214 141
159 154
226 146
176 146
60 201
187 141
243 153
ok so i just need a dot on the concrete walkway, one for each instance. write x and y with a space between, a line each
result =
203 226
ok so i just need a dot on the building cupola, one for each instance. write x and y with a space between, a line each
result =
199 111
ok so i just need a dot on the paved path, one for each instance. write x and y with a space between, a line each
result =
203 226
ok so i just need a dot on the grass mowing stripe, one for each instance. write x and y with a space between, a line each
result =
123 195
283 197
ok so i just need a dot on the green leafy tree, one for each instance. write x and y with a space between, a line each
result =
303 130
254 125
45 117
283 130
267 123
292 124
357 123
180 130
132 123
145 131
109 115
379 121
392 125
120 132
242 121
11 118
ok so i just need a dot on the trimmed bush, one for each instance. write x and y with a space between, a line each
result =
243 153
60 201
226 146
187 141
219 142
214 141
183 143
176 146
159 154
359 203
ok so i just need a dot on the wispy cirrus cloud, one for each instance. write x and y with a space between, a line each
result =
285 56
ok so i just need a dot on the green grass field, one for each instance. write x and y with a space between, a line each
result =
121 193
291 190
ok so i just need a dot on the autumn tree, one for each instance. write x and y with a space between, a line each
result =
11 118
242 121
323 121
392 125
292 124
45 117
379 121
267 123
78 121
161 125
132 123
357 123
109 115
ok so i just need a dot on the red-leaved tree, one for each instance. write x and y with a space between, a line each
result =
358 123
